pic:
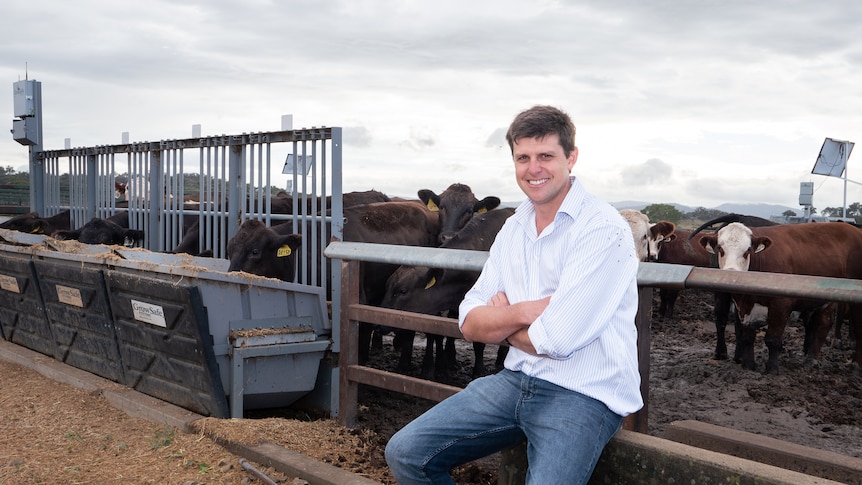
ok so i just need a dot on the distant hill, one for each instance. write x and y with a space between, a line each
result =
760 210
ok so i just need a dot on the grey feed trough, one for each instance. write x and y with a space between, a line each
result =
176 327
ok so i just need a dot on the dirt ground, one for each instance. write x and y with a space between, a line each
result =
53 433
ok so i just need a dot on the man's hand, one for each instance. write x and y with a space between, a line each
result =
499 300
529 311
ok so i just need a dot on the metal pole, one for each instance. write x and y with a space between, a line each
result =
37 169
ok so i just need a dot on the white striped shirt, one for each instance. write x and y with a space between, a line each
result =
585 260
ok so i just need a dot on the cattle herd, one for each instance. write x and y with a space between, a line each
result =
457 219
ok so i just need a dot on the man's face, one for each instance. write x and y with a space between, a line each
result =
542 169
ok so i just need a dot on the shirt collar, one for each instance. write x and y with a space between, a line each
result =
571 204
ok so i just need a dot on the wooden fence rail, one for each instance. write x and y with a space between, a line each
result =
650 275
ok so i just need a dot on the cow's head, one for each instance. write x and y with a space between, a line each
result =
259 250
120 190
456 205
660 232
30 223
639 223
734 244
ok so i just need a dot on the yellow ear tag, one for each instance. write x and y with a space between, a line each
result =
431 283
482 211
283 251
36 230
432 206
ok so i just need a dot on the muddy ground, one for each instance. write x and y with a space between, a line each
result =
817 406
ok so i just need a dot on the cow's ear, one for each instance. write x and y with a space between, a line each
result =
131 236
39 227
661 228
430 199
287 244
709 243
433 277
760 243
486 204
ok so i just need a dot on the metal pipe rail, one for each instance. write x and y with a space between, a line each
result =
650 275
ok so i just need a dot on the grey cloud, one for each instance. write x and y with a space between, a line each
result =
652 171
497 139
741 190
357 136
419 140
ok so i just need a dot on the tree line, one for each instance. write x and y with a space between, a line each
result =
13 180
667 212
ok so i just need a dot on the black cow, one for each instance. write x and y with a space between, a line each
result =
436 291
400 223
457 205
31 223
264 251
281 204
104 231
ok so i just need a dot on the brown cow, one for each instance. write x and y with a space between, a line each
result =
686 249
816 249
677 249
282 203
723 300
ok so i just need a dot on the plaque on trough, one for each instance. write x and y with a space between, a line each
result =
77 308
165 343
22 315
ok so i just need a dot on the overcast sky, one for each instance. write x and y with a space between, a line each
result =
694 102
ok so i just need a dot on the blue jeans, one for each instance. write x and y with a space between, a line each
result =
565 431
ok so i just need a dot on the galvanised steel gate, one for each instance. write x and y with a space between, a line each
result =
234 179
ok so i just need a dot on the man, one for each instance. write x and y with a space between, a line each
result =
560 287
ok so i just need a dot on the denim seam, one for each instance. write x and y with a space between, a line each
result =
449 444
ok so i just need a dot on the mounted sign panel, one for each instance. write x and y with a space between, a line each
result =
832 159
301 164
806 193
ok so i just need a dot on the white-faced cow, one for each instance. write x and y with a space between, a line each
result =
723 300
437 291
456 205
816 249
648 237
